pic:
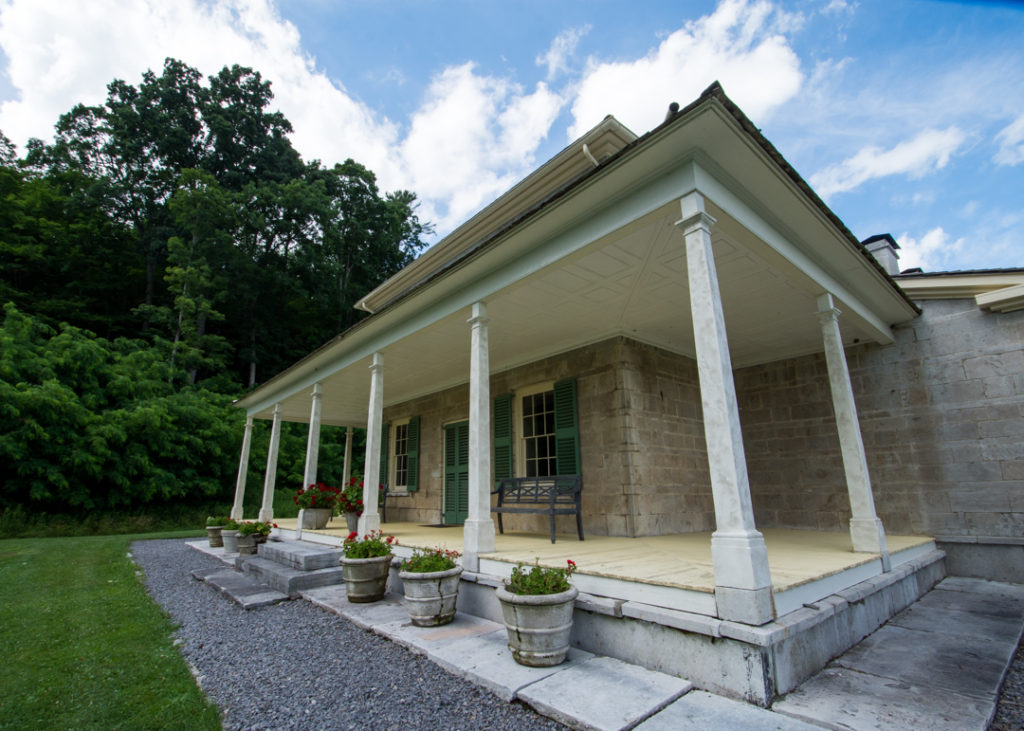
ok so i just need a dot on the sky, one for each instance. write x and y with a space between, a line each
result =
906 116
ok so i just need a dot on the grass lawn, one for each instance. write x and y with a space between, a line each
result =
84 646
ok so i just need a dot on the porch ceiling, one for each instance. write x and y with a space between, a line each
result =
631 283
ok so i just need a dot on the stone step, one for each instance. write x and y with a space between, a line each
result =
242 590
288 580
301 556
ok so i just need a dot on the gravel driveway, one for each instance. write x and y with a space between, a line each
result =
296 666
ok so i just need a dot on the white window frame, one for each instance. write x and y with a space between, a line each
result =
393 456
519 441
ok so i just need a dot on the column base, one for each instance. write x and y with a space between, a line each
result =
236 514
868 536
266 515
750 606
368 522
740 560
478 536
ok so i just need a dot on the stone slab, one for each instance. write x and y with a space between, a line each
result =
931 660
700 711
301 555
288 580
603 694
245 592
372 616
847 699
203 546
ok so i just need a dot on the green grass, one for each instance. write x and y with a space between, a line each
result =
19 522
83 644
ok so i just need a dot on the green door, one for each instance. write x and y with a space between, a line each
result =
456 473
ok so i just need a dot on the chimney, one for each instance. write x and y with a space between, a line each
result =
883 248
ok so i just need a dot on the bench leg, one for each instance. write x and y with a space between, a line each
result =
501 528
552 527
579 524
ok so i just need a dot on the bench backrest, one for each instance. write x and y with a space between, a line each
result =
542 490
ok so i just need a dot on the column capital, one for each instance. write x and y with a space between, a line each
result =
317 391
699 221
829 315
479 316
378 363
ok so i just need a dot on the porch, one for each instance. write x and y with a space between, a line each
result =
671 571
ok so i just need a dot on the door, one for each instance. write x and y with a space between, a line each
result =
456 473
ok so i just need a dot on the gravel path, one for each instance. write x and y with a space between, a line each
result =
296 666
1010 711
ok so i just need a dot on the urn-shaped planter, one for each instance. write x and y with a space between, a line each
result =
247 545
366 579
352 521
538 625
213 532
430 597
230 539
315 518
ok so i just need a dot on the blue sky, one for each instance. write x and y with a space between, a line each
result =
906 116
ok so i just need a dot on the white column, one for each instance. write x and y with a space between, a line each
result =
346 471
742 580
313 439
478 530
267 510
243 469
866 531
370 519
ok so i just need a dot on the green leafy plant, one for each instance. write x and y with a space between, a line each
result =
372 545
231 525
318 496
427 560
539 579
216 520
258 528
350 500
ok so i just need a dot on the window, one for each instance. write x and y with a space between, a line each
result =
538 434
401 455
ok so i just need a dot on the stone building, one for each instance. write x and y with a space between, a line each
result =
678 318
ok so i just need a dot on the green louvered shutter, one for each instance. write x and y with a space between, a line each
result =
503 437
385 430
567 430
413 451
456 473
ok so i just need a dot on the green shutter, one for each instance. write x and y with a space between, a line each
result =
503 436
456 473
567 431
413 480
385 430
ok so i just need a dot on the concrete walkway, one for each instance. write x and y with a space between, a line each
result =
938 664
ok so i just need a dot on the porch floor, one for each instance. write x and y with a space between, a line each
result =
681 561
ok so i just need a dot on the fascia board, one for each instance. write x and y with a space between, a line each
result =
583 217
1008 299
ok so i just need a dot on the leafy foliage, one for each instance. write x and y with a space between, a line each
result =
373 545
540 579
429 560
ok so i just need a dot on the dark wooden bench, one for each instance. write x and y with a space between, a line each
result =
539 496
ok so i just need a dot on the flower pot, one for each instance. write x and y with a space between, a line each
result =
366 579
246 545
538 625
430 597
352 521
213 532
230 538
315 518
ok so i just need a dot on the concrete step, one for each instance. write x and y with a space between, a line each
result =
301 556
242 590
285 579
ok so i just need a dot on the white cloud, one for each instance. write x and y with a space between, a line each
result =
742 44
932 252
1011 143
928 151
556 58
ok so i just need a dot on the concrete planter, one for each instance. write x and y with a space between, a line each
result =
430 597
538 625
213 533
230 539
366 579
247 545
352 521
315 518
